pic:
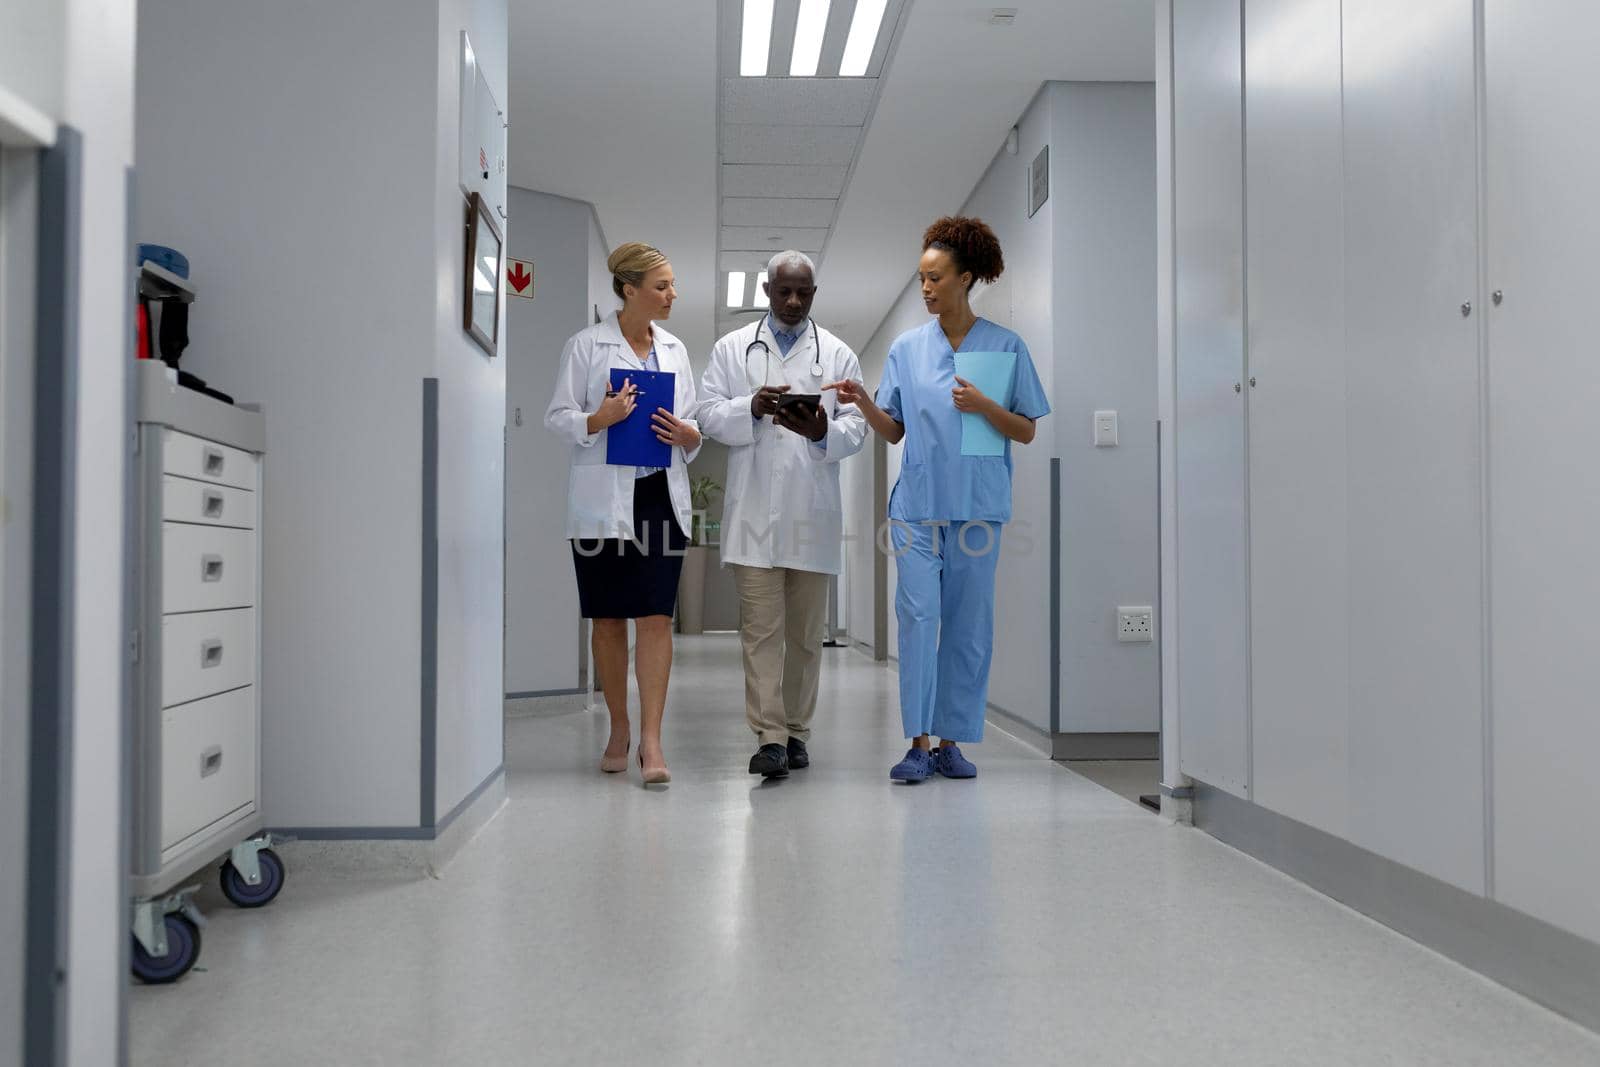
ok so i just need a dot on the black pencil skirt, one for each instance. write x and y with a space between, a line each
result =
622 579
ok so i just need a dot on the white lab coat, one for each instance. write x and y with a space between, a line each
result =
600 496
782 506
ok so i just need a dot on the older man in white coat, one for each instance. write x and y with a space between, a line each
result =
782 519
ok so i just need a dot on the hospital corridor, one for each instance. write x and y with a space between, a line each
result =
798 531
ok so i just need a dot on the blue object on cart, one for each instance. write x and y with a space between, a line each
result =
165 258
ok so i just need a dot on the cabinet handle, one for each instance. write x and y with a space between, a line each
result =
1466 309
211 653
1252 382
211 761
211 503
210 568
213 462
1499 297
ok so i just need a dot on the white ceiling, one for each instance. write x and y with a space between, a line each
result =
614 102
617 103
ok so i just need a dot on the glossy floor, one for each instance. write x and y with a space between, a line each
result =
1028 916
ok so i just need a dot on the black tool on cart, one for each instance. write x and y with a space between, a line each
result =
167 292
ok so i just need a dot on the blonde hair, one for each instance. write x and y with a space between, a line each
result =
630 262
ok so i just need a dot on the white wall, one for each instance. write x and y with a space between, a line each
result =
1208 484
1078 287
72 62
33 39
472 439
543 636
1406 452
325 237
1542 171
601 296
99 58
1103 185
18 262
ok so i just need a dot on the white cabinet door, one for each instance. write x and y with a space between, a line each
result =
1544 392
1209 427
1299 574
1414 443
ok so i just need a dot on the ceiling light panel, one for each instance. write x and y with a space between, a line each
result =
773 211
811 24
859 46
790 144
797 102
771 239
755 38
736 288
817 182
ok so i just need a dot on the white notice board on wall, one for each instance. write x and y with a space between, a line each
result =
483 135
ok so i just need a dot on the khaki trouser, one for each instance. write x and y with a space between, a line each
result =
781 615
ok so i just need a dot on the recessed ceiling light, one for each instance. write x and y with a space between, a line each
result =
809 27
761 279
864 26
756 39
735 288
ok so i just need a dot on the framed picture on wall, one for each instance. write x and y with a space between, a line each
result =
484 275
1039 181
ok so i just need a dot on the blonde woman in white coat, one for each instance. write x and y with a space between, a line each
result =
628 525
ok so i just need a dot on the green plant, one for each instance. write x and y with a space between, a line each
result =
700 491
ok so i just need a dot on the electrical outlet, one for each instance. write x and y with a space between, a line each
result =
1135 624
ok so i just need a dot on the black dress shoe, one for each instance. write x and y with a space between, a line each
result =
799 758
771 762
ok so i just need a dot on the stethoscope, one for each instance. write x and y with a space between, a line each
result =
766 357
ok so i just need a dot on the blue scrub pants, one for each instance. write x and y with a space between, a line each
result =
944 601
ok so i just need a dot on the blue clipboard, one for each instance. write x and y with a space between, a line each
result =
633 441
993 373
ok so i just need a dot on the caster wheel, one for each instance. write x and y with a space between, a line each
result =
245 895
183 948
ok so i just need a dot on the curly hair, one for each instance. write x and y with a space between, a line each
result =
970 242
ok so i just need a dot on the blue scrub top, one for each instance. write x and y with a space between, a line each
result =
936 481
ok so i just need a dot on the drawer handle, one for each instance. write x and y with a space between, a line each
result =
211 503
211 761
211 653
210 568
213 462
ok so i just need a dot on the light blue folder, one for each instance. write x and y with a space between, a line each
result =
993 373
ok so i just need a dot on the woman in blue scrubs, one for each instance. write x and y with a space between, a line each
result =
948 507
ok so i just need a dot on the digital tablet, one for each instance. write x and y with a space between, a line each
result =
806 404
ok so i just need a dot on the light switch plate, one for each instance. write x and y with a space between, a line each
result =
1105 429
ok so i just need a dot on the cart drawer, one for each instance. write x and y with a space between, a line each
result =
206 652
206 568
208 762
195 457
185 500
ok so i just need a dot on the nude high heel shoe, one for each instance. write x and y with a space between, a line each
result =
655 775
615 764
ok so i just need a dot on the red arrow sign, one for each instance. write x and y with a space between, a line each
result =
519 275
